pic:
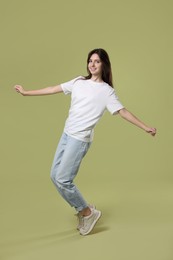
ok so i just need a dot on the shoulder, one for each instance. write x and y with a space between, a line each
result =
79 78
110 90
73 81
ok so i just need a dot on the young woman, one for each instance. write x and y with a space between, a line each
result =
90 97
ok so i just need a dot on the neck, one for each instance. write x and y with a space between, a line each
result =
97 79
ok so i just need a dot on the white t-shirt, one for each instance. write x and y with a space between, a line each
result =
89 100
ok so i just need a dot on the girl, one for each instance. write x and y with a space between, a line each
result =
90 97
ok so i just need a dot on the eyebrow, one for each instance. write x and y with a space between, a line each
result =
95 60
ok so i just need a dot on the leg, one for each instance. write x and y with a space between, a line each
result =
68 157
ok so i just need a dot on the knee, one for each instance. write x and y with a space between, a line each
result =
53 175
57 176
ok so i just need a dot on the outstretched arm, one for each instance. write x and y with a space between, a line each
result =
38 92
124 113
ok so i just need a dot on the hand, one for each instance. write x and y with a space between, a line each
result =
151 131
19 89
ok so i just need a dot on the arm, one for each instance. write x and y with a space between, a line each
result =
38 92
124 113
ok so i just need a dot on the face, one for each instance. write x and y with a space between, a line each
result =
95 65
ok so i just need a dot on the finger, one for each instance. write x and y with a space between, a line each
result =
153 133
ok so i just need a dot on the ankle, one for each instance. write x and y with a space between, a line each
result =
85 212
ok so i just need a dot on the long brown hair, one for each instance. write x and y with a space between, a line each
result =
106 65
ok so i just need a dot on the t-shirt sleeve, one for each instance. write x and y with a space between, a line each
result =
67 86
113 103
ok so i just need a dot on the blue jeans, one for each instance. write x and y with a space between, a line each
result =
68 157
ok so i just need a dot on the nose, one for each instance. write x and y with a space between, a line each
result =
93 64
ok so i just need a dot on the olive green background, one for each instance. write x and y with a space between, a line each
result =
127 174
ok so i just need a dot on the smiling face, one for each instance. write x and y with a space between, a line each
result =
95 66
99 66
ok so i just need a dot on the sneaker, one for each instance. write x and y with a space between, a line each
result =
80 222
80 218
89 222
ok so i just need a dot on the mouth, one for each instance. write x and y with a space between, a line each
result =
92 69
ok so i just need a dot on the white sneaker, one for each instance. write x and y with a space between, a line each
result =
80 222
80 218
89 222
